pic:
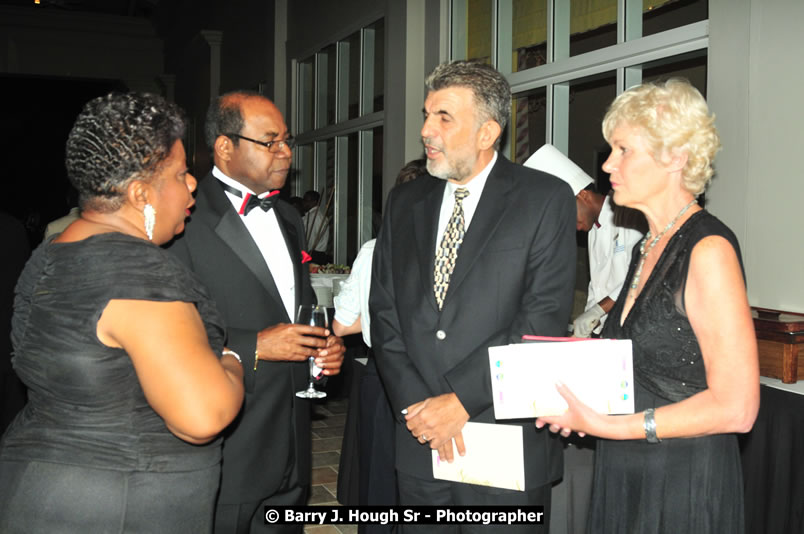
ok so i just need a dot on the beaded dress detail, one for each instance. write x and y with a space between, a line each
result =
689 485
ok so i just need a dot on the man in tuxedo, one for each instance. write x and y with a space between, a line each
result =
476 259
248 248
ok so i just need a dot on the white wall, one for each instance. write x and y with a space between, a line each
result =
756 81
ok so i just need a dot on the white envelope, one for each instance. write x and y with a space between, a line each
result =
494 457
598 371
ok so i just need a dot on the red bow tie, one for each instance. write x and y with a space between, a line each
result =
251 201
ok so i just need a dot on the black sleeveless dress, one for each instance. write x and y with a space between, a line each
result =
691 485
88 453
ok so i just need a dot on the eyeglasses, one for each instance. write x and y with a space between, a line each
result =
272 146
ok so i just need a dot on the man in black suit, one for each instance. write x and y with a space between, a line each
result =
432 320
248 248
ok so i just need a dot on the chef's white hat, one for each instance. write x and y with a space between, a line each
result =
551 160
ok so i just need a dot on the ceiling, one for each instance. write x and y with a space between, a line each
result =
126 8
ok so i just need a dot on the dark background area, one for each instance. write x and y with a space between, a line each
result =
38 110
38 113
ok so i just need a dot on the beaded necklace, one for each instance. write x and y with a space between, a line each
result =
644 251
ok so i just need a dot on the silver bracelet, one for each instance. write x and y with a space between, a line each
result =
233 353
649 424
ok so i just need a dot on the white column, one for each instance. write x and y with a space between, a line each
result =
280 57
214 39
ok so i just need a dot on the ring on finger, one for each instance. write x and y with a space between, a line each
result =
425 438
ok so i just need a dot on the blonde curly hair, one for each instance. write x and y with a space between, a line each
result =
672 117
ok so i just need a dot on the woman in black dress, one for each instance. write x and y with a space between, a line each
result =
673 466
119 345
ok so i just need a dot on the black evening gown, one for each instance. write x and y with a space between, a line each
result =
88 453
691 485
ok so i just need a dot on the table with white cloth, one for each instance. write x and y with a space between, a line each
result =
325 286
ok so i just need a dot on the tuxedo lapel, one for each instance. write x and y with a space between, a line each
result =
215 206
425 224
490 211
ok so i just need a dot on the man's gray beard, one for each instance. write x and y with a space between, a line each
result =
450 173
435 174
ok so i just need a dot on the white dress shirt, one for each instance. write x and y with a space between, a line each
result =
316 225
610 249
267 235
475 187
353 300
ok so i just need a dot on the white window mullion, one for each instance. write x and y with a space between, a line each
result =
459 15
341 198
560 117
647 49
367 71
365 159
629 20
629 28
560 23
342 83
504 31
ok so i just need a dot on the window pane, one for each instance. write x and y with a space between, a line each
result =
691 67
661 15
528 124
472 29
353 89
588 101
329 177
306 101
326 92
325 160
353 197
303 165
376 182
374 67
592 25
529 34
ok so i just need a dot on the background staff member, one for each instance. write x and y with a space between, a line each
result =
612 234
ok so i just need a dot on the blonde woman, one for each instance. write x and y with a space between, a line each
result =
674 465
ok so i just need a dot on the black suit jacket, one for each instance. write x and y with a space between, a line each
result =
272 430
514 275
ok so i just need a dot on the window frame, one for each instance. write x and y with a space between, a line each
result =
338 132
625 58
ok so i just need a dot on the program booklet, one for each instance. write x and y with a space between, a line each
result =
524 376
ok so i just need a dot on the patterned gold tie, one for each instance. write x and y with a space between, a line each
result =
448 251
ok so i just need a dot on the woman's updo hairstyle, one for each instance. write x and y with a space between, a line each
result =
118 138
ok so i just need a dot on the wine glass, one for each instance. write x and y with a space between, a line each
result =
313 315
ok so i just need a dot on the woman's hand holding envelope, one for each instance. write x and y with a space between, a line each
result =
578 418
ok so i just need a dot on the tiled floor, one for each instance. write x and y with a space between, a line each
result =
329 418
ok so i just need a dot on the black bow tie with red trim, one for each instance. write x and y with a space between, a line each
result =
251 201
